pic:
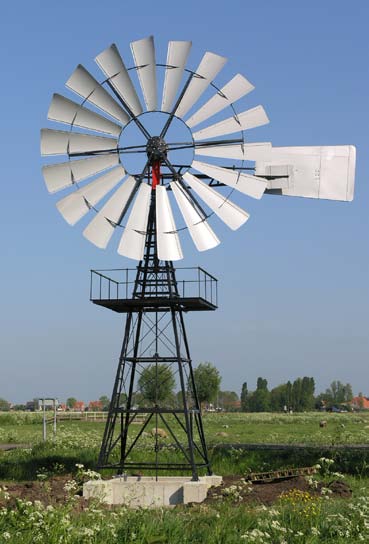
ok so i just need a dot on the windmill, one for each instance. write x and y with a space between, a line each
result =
149 203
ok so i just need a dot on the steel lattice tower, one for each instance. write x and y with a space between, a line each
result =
155 335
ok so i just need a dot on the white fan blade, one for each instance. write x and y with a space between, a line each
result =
208 68
61 175
176 61
243 152
132 243
168 244
73 207
60 142
143 52
201 233
112 65
84 84
101 229
234 90
232 215
66 111
256 117
249 185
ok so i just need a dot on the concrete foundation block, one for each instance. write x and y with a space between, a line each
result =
98 489
212 481
146 491
194 492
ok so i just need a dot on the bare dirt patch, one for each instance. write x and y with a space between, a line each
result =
235 489
50 491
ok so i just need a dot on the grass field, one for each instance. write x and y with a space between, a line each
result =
345 428
294 518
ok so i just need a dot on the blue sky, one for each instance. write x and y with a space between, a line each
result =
294 296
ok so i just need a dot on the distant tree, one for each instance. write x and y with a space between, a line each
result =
300 394
289 395
307 393
260 399
279 398
138 399
156 383
348 393
19 407
207 382
337 393
228 400
105 401
71 402
4 405
296 395
244 398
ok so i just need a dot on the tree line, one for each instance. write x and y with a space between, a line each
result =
296 396
156 385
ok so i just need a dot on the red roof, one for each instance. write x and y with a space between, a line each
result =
360 402
95 404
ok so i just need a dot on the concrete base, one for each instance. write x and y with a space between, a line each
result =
136 491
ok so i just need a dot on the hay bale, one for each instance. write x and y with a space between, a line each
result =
159 432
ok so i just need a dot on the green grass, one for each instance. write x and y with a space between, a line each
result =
295 519
79 441
237 427
350 428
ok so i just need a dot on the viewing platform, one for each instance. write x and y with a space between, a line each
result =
193 289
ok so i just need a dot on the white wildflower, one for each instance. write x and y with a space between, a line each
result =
70 486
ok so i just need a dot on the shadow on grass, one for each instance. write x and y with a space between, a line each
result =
240 461
26 464
47 458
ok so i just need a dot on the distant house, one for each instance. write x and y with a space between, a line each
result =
95 406
36 405
79 406
360 403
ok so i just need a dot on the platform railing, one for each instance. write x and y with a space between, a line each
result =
118 284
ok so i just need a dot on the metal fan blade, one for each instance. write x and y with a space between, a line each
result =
85 85
256 117
61 175
245 152
249 185
60 142
143 52
66 111
101 228
74 206
235 89
208 68
112 65
230 213
176 62
167 239
132 243
201 233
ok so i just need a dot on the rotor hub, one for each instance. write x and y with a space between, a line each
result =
156 148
